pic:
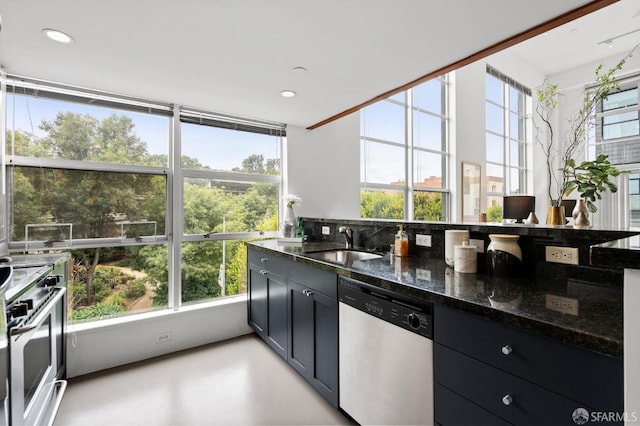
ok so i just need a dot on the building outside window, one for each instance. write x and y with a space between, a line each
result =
617 134
508 132
92 175
404 155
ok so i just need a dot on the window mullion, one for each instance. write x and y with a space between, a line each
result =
174 209
410 157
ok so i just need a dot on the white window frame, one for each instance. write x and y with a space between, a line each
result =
410 149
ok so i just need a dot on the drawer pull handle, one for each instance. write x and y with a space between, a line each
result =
507 400
307 292
263 272
506 349
264 259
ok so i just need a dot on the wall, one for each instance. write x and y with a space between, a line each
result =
322 167
631 341
110 343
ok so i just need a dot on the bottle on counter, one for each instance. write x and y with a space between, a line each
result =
401 243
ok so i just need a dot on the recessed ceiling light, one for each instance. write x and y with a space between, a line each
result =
288 93
300 69
57 35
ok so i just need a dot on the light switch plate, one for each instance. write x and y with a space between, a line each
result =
326 230
423 240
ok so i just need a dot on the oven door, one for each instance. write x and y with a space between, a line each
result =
34 390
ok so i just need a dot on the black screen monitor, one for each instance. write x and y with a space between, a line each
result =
568 205
518 207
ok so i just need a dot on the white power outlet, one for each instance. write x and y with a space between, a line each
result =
565 305
567 255
326 230
163 337
423 240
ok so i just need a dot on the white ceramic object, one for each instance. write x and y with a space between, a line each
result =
465 258
452 238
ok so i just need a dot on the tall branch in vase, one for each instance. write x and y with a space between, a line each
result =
579 124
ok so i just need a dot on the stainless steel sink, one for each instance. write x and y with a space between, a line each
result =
343 256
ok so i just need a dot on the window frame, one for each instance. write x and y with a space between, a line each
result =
411 150
523 139
173 173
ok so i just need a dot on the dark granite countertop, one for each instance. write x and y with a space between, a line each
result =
621 253
517 301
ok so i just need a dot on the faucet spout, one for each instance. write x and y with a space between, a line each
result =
348 236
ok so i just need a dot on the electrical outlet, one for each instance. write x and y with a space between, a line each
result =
478 243
326 230
565 305
567 255
423 240
163 337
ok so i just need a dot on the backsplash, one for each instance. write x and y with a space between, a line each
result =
377 235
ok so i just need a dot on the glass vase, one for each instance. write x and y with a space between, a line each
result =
290 223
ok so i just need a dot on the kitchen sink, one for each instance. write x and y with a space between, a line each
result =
343 256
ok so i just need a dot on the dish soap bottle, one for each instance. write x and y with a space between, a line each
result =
401 243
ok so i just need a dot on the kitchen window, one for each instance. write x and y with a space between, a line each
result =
404 143
507 137
230 186
91 173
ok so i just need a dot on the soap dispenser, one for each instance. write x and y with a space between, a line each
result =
401 243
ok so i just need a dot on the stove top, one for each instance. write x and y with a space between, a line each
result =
22 278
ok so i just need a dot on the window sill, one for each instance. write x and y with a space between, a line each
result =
153 315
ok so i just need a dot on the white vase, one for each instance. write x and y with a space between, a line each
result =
581 206
290 223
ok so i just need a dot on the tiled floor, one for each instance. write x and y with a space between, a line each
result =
236 382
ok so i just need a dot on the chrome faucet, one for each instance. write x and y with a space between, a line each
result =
348 235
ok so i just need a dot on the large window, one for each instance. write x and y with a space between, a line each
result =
404 157
93 174
616 133
508 132
231 181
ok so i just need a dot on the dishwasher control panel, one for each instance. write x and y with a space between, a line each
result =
407 314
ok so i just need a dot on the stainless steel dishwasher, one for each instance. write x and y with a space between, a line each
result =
386 356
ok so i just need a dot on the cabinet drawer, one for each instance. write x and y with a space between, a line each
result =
268 262
452 410
503 394
593 379
322 281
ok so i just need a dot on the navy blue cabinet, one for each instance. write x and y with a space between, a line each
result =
267 302
515 376
294 308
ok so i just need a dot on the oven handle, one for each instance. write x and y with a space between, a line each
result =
42 315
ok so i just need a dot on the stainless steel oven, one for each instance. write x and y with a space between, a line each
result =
6 271
36 313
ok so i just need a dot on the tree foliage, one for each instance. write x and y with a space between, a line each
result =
98 203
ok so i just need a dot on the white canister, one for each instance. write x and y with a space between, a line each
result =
452 238
465 259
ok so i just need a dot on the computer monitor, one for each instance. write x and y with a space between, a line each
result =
568 205
518 207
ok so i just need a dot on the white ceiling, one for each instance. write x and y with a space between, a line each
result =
580 42
235 56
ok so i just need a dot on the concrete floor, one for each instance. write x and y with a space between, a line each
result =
235 382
